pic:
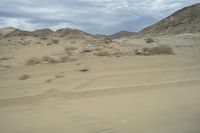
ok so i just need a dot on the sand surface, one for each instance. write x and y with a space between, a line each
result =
127 94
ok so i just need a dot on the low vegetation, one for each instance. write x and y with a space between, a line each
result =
48 44
101 53
156 50
149 40
23 77
33 61
55 41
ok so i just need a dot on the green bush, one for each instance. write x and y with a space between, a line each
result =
149 40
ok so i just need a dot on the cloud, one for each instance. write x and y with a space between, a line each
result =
94 16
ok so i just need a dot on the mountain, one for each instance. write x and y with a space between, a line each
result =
186 20
122 34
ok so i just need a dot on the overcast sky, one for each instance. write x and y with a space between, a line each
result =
93 16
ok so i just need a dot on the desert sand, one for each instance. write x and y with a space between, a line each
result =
94 93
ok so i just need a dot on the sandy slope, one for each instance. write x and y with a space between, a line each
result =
128 94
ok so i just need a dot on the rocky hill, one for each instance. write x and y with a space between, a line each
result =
186 20
44 33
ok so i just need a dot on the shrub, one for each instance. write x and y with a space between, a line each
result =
54 60
107 40
69 50
46 58
101 53
149 40
23 77
49 44
5 58
44 38
55 41
38 42
33 61
59 76
73 42
64 58
86 50
157 50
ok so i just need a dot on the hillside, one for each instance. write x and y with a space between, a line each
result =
186 20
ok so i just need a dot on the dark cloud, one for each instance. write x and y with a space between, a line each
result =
94 16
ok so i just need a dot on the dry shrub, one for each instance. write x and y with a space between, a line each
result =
56 41
59 76
44 38
106 40
101 53
54 60
28 42
69 50
73 42
49 80
38 42
33 61
68 58
97 49
109 52
49 44
23 77
157 50
86 50
64 58
5 66
5 58
61 59
46 58
23 43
